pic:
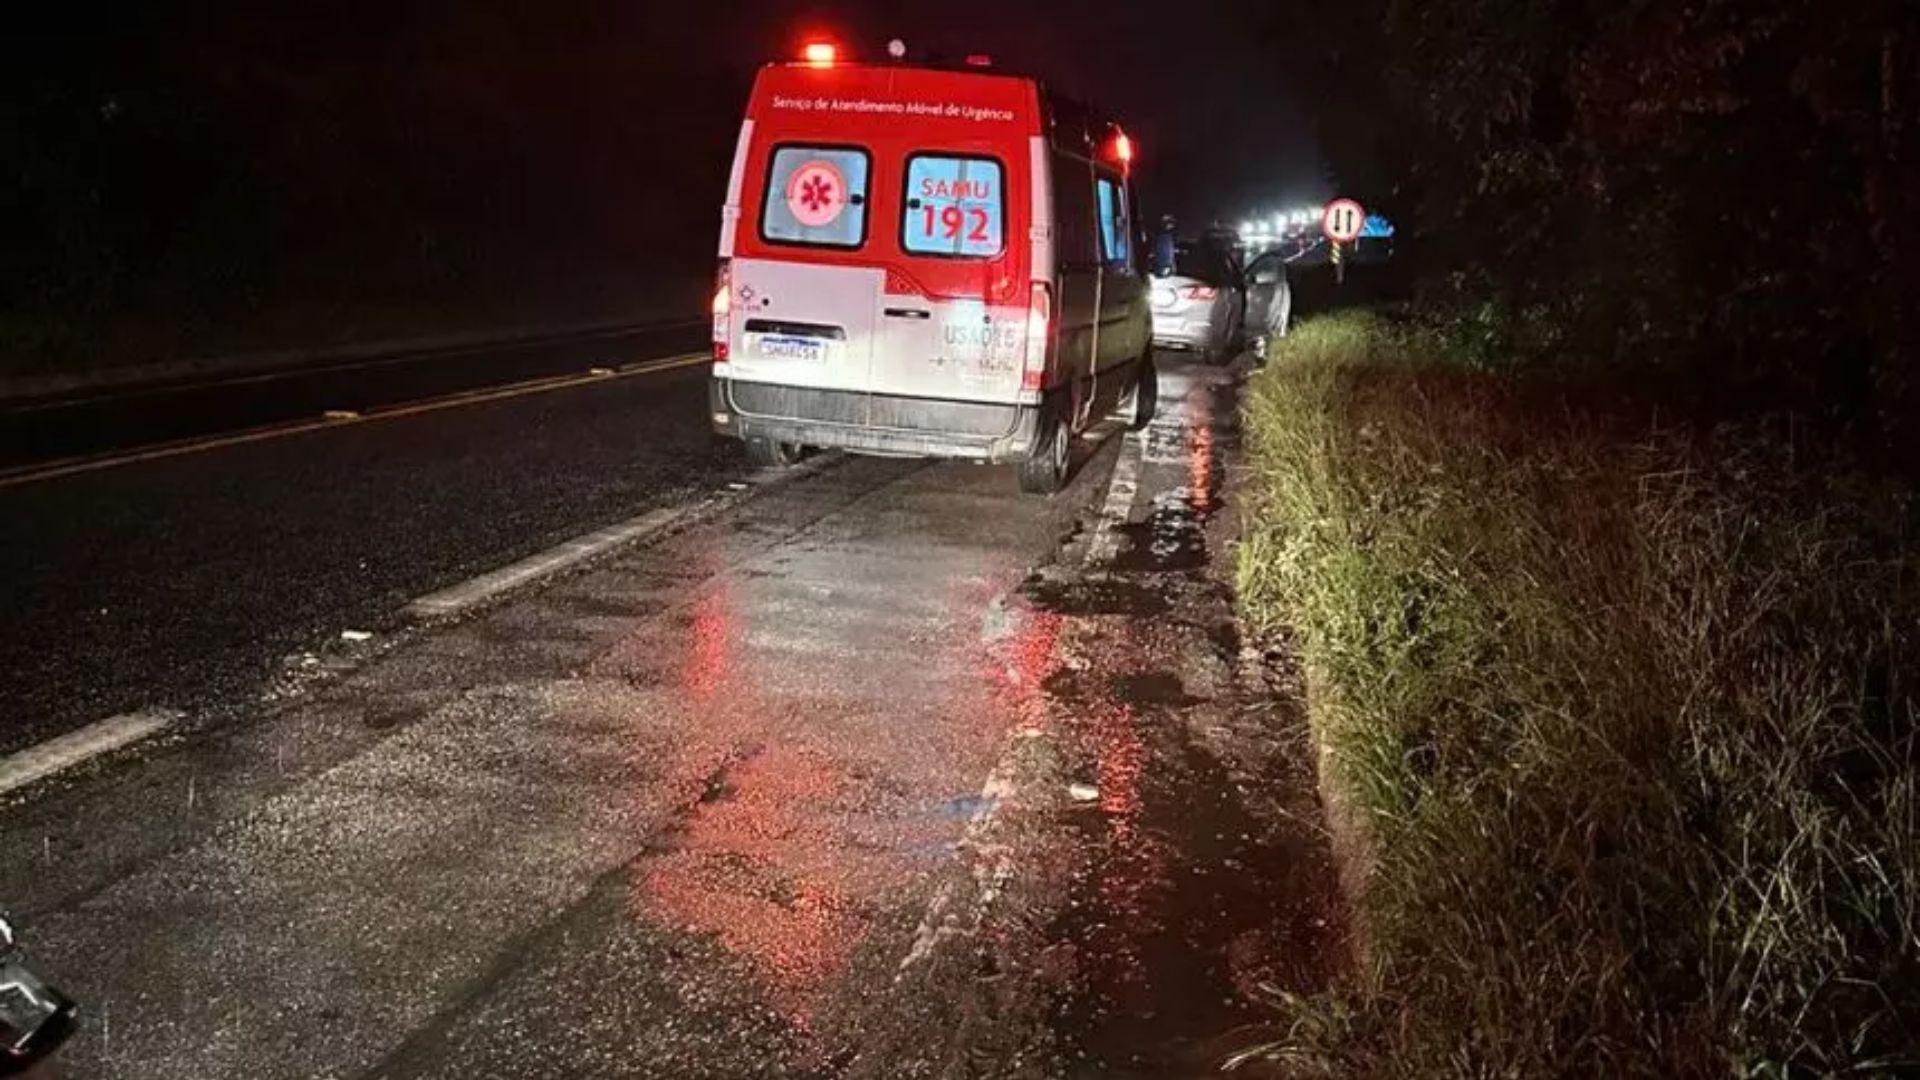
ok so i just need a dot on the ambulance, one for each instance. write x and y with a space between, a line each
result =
927 261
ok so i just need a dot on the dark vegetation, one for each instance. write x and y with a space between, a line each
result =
1624 704
1726 191
1598 551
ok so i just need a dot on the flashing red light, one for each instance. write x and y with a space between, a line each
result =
979 60
1122 148
820 53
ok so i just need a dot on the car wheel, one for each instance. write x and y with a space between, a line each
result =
770 453
1045 470
1144 399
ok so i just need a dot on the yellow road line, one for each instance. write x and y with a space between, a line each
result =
81 398
93 462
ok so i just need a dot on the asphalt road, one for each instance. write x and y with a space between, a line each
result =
186 582
87 423
876 768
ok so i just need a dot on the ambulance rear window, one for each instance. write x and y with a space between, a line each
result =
955 206
816 196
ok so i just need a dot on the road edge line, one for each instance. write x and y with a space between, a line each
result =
1118 509
62 752
568 554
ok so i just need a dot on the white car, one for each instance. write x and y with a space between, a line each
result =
1199 305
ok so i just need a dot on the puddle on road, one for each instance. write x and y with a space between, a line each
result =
1188 905
1092 595
1172 538
1156 688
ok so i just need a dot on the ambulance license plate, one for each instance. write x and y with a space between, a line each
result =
782 347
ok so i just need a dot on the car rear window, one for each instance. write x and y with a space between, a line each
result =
955 206
1202 262
816 196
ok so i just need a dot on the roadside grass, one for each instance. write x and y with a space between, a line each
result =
1626 708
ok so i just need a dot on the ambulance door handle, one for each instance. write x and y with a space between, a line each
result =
908 313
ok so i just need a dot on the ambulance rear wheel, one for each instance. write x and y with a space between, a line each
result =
1045 471
1144 399
770 453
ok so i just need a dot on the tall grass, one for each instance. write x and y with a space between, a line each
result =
1627 709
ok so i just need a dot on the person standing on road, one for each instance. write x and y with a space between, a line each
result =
1163 247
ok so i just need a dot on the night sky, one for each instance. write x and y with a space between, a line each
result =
181 158
1202 85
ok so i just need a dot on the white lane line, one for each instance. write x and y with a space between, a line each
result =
1105 543
581 548
65 751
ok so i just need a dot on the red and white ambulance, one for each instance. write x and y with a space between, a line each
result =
928 262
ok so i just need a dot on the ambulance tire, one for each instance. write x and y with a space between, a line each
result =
1045 472
1144 399
771 454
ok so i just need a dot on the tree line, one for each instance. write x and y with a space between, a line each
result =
1721 190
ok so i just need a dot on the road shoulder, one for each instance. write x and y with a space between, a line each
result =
1157 867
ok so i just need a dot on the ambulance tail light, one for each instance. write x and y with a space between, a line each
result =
1200 292
722 310
1033 375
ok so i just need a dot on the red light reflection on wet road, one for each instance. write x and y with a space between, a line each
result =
1025 663
1200 457
760 866
782 858
710 644
1135 867
760 872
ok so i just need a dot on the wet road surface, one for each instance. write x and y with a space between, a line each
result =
883 771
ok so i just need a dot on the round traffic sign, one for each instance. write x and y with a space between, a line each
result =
816 192
1342 221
